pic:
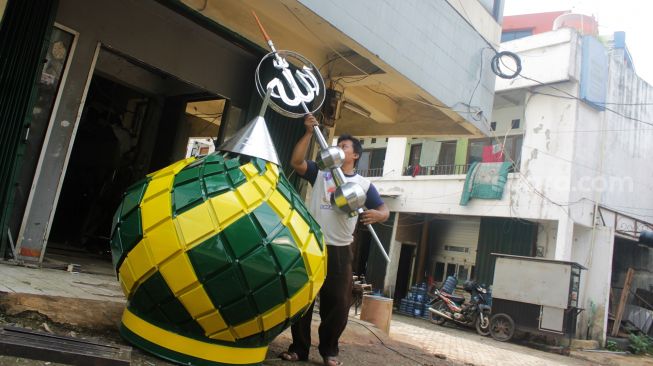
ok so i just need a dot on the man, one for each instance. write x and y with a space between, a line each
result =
338 229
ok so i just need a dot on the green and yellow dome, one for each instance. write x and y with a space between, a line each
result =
216 256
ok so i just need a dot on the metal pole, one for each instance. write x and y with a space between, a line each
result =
339 177
376 239
337 173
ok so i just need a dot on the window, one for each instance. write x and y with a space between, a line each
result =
493 126
386 139
362 141
512 149
463 273
373 140
447 153
377 158
451 269
515 34
415 153
515 124
438 275
371 162
494 7
476 150
453 248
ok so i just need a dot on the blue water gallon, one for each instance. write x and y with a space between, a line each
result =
450 284
418 312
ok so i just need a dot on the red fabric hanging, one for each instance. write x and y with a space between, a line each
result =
493 154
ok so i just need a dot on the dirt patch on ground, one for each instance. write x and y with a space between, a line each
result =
610 359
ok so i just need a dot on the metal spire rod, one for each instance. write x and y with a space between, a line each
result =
336 172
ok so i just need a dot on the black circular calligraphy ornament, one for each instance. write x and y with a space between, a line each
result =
297 88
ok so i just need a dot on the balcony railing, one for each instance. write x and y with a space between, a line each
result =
441 169
376 172
437 169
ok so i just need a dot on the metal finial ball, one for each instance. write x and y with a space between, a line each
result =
330 158
349 197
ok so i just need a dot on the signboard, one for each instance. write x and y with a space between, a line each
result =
594 73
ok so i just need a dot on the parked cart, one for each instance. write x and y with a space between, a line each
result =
534 295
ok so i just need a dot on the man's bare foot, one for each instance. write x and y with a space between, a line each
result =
331 361
289 356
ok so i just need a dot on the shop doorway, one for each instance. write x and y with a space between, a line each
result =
404 271
132 123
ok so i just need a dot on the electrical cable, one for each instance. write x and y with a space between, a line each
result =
571 96
363 72
471 25
319 69
357 79
498 56
621 209
543 196
478 82
381 93
579 99
353 320
497 60
591 101
599 130
521 175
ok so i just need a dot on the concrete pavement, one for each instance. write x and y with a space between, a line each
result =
90 305
467 347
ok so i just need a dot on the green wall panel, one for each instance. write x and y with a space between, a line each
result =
502 235
25 28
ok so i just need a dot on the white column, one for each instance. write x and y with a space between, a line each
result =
393 252
564 239
394 156
594 250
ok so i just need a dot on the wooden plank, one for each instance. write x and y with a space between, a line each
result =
622 302
19 342
85 313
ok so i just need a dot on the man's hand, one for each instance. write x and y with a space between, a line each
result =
372 217
297 159
309 122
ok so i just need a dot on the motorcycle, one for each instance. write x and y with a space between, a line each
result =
476 313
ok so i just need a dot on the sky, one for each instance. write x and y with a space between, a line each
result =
635 17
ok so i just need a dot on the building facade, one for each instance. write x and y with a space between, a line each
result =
573 128
126 85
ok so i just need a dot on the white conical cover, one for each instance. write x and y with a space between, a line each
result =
253 140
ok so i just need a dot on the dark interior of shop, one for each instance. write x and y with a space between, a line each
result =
110 153
100 166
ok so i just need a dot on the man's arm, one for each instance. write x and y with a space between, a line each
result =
379 212
372 216
298 157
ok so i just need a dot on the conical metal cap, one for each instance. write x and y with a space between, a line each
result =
253 140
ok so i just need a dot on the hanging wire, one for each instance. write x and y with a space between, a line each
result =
498 65
497 61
